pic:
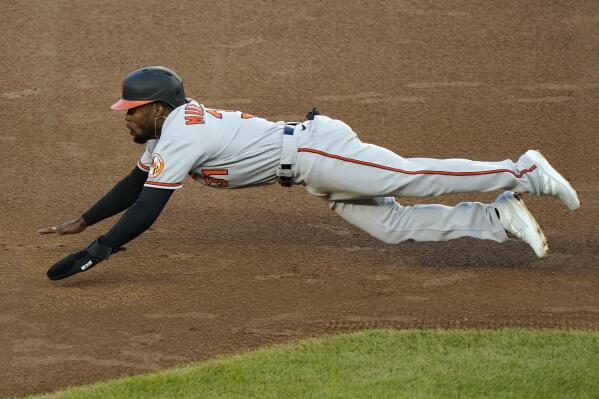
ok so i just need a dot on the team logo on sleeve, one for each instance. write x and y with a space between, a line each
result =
157 165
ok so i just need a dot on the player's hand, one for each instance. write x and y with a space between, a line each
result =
72 264
71 227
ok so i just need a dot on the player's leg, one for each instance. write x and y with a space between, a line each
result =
334 162
359 169
387 220
392 223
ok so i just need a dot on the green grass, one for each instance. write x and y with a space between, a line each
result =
385 364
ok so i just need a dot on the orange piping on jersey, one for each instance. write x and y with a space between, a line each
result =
156 183
142 166
417 172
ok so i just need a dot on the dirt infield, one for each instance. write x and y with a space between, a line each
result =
226 271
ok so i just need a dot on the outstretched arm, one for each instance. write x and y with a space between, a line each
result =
138 218
119 198
142 214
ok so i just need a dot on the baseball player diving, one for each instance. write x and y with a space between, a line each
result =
226 149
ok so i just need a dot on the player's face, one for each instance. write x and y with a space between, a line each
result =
140 123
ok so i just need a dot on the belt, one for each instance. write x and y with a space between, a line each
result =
288 155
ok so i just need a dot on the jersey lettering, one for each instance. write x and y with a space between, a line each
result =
193 112
193 115
194 120
213 181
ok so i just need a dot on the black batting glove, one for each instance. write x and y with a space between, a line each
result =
81 261
72 264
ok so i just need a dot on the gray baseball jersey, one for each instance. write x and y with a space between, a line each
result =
221 149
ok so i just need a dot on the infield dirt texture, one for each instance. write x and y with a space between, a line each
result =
225 271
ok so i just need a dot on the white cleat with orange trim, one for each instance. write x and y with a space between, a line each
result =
519 222
552 182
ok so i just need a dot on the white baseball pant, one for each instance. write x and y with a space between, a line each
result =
361 182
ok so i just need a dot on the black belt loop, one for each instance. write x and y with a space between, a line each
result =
288 130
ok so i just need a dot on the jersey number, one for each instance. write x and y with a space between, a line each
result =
213 181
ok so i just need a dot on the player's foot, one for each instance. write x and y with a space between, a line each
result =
519 222
552 182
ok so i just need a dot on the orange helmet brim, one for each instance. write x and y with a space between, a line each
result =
123 105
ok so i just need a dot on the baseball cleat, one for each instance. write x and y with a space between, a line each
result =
519 222
552 182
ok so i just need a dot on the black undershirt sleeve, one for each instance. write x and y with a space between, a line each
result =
138 218
121 197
